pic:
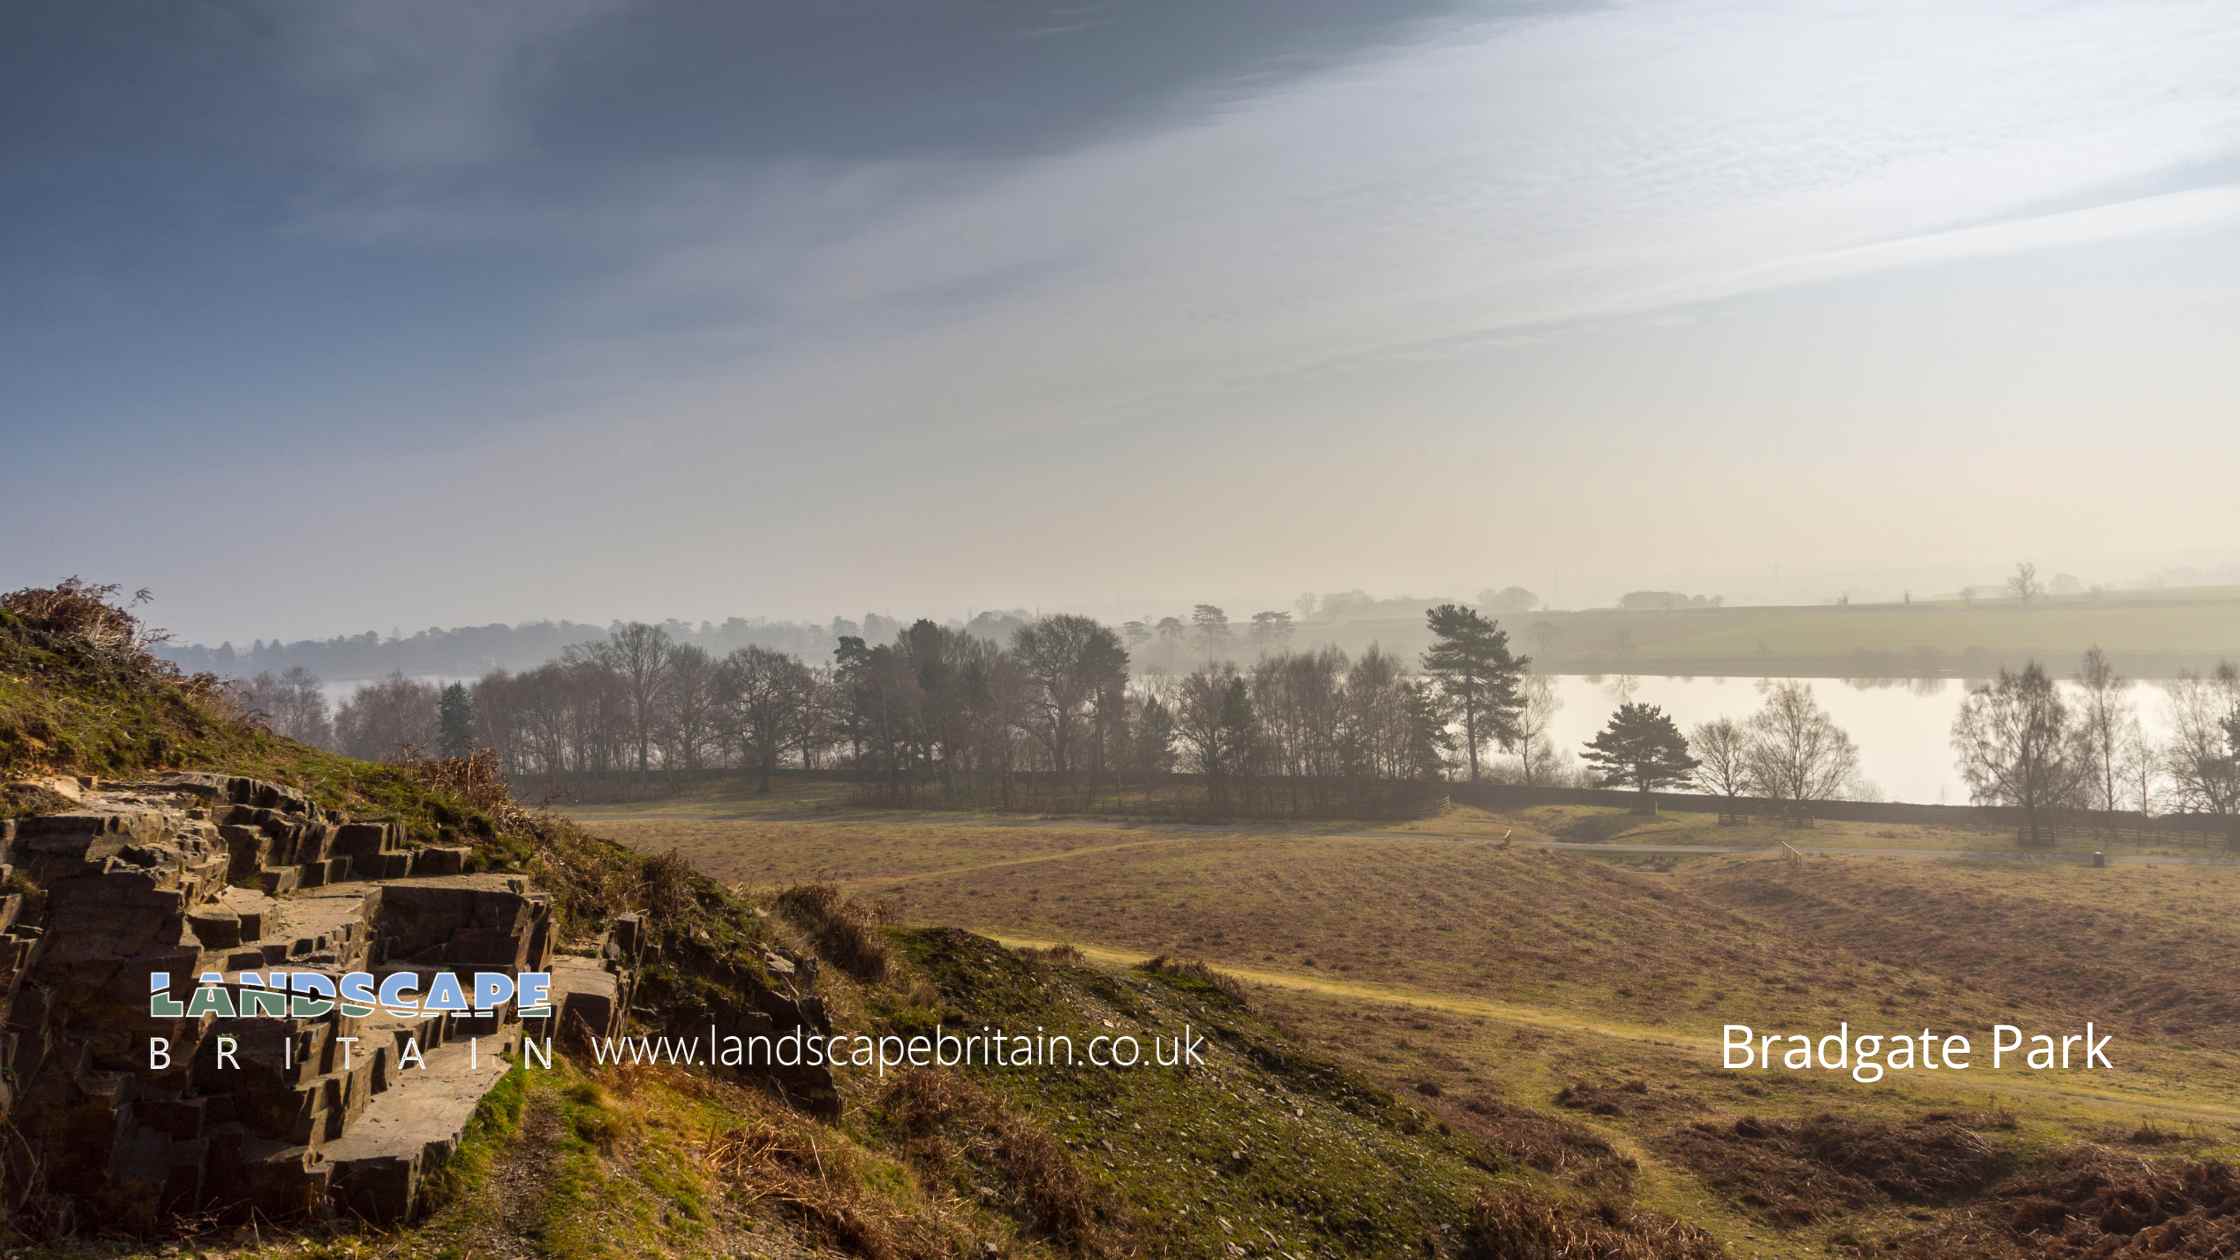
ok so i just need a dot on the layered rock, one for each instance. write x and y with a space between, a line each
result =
187 875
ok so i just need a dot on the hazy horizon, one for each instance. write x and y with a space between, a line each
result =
601 310
1113 611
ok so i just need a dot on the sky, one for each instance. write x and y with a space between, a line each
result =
321 318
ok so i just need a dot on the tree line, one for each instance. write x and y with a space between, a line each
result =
1791 752
2022 743
2019 741
1052 712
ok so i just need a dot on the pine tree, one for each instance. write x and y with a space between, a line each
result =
1641 749
455 722
1470 657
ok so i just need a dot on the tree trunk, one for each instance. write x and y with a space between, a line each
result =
1470 732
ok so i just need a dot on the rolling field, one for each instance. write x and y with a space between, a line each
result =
1566 1005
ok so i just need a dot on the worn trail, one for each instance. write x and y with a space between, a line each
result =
2118 1104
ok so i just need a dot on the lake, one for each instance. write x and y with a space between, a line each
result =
1903 727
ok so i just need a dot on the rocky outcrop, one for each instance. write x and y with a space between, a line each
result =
191 874
592 990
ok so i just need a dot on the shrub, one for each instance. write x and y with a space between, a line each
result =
1511 1226
1190 974
844 932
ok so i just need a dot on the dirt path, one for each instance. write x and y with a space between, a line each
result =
2119 1105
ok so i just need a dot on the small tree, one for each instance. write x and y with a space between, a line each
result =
1215 722
1153 739
1640 748
1429 742
1798 755
2024 585
2203 760
455 722
2142 770
2102 720
2018 747
1271 629
1722 749
1536 716
762 694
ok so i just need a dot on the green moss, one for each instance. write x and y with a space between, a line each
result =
495 1124
1262 1136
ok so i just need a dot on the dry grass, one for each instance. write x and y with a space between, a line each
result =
1191 972
1510 1226
1563 1011
1791 1173
2143 949
2097 1204
964 1134
77 609
845 932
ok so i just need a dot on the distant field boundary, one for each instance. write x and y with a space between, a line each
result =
1180 802
2192 829
1178 797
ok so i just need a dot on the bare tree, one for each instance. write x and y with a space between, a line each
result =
293 705
2203 761
1798 755
1216 726
2024 584
762 693
2143 782
689 707
1068 660
2103 718
1536 717
638 655
1722 749
817 729
2018 747
381 721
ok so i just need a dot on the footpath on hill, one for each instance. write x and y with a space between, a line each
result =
2119 1106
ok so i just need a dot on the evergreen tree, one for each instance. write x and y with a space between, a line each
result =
1641 749
1470 657
1428 739
455 722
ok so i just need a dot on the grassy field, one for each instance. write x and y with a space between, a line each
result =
1567 1006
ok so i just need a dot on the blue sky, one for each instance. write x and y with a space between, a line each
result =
327 317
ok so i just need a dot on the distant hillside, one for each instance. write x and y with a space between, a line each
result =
2149 634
